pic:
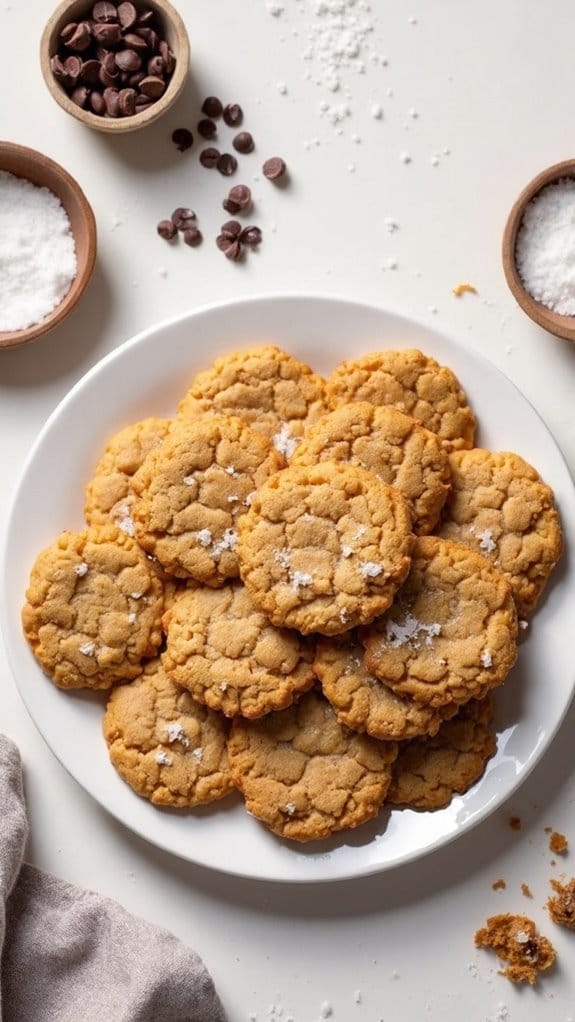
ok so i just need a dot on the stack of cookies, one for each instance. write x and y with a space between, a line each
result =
304 589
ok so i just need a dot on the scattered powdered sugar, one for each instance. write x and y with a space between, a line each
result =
223 686
522 937
282 557
300 578
37 252
81 569
346 551
198 754
189 480
326 1010
176 733
524 625
357 996
336 37
233 499
131 618
88 649
136 596
361 531
229 541
249 498
125 522
284 442
545 248
231 470
486 658
371 570
290 808
162 758
343 616
410 632
204 537
486 541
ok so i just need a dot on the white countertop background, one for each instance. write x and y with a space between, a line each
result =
493 84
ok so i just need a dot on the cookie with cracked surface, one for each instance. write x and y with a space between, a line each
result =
324 547
515 940
428 772
304 775
412 382
94 608
451 634
166 746
230 657
385 441
108 497
271 390
500 507
192 491
362 702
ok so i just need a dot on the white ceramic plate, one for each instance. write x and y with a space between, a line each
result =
147 376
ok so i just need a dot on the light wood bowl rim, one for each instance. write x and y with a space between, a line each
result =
27 158
560 326
119 125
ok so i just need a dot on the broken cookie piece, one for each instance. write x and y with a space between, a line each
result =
515 940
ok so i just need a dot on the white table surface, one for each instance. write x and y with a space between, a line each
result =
491 86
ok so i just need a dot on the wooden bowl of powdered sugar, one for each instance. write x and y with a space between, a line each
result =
539 249
47 244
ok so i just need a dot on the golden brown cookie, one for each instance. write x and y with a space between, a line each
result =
230 657
451 633
166 746
192 491
515 940
500 507
561 906
385 441
108 497
94 608
362 702
277 395
412 382
324 547
304 775
429 771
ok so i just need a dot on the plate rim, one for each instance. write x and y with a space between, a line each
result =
368 869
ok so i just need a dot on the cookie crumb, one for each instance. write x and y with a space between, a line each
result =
461 289
515 941
515 822
561 908
499 885
558 843
526 891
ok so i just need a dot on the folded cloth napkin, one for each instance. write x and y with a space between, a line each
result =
70 955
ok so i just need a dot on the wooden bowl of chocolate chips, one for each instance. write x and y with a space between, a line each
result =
116 66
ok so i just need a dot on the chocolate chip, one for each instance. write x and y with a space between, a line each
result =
127 102
241 196
231 249
112 101
90 73
230 206
134 80
207 128
107 35
145 17
156 65
153 87
231 229
182 139
73 67
182 217
167 56
193 236
243 142
80 39
209 157
151 38
233 115
227 164
274 168
167 229
135 42
97 103
128 60
80 96
251 236
212 107
142 103
127 15
104 12
109 71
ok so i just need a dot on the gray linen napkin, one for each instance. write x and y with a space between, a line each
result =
70 955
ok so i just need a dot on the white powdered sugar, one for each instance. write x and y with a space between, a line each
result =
337 37
204 537
88 649
189 480
198 754
282 557
290 808
162 758
486 541
81 569
486 658
370 569
410 632
229 541
346 551
284 442
545 249
37 253
300 578
522 937
176 733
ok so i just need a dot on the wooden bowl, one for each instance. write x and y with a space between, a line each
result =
40 170
561 326
175 34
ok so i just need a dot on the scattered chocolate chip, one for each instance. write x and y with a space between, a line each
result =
97 103
233 115
227 164
231 249
145 17
207 128
193 236
182 217
251 236
241 196
80 96
104 12
243 142
153 86
107 35
274 168
109 71
128 60
136 42
151 38
112 101
156 65
209 157
212 107
127 102
231 229
80 39
167 56
90 73
230 206
167 229
182 139
127 15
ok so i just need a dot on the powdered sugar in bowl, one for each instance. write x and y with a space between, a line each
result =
539 249
61 232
